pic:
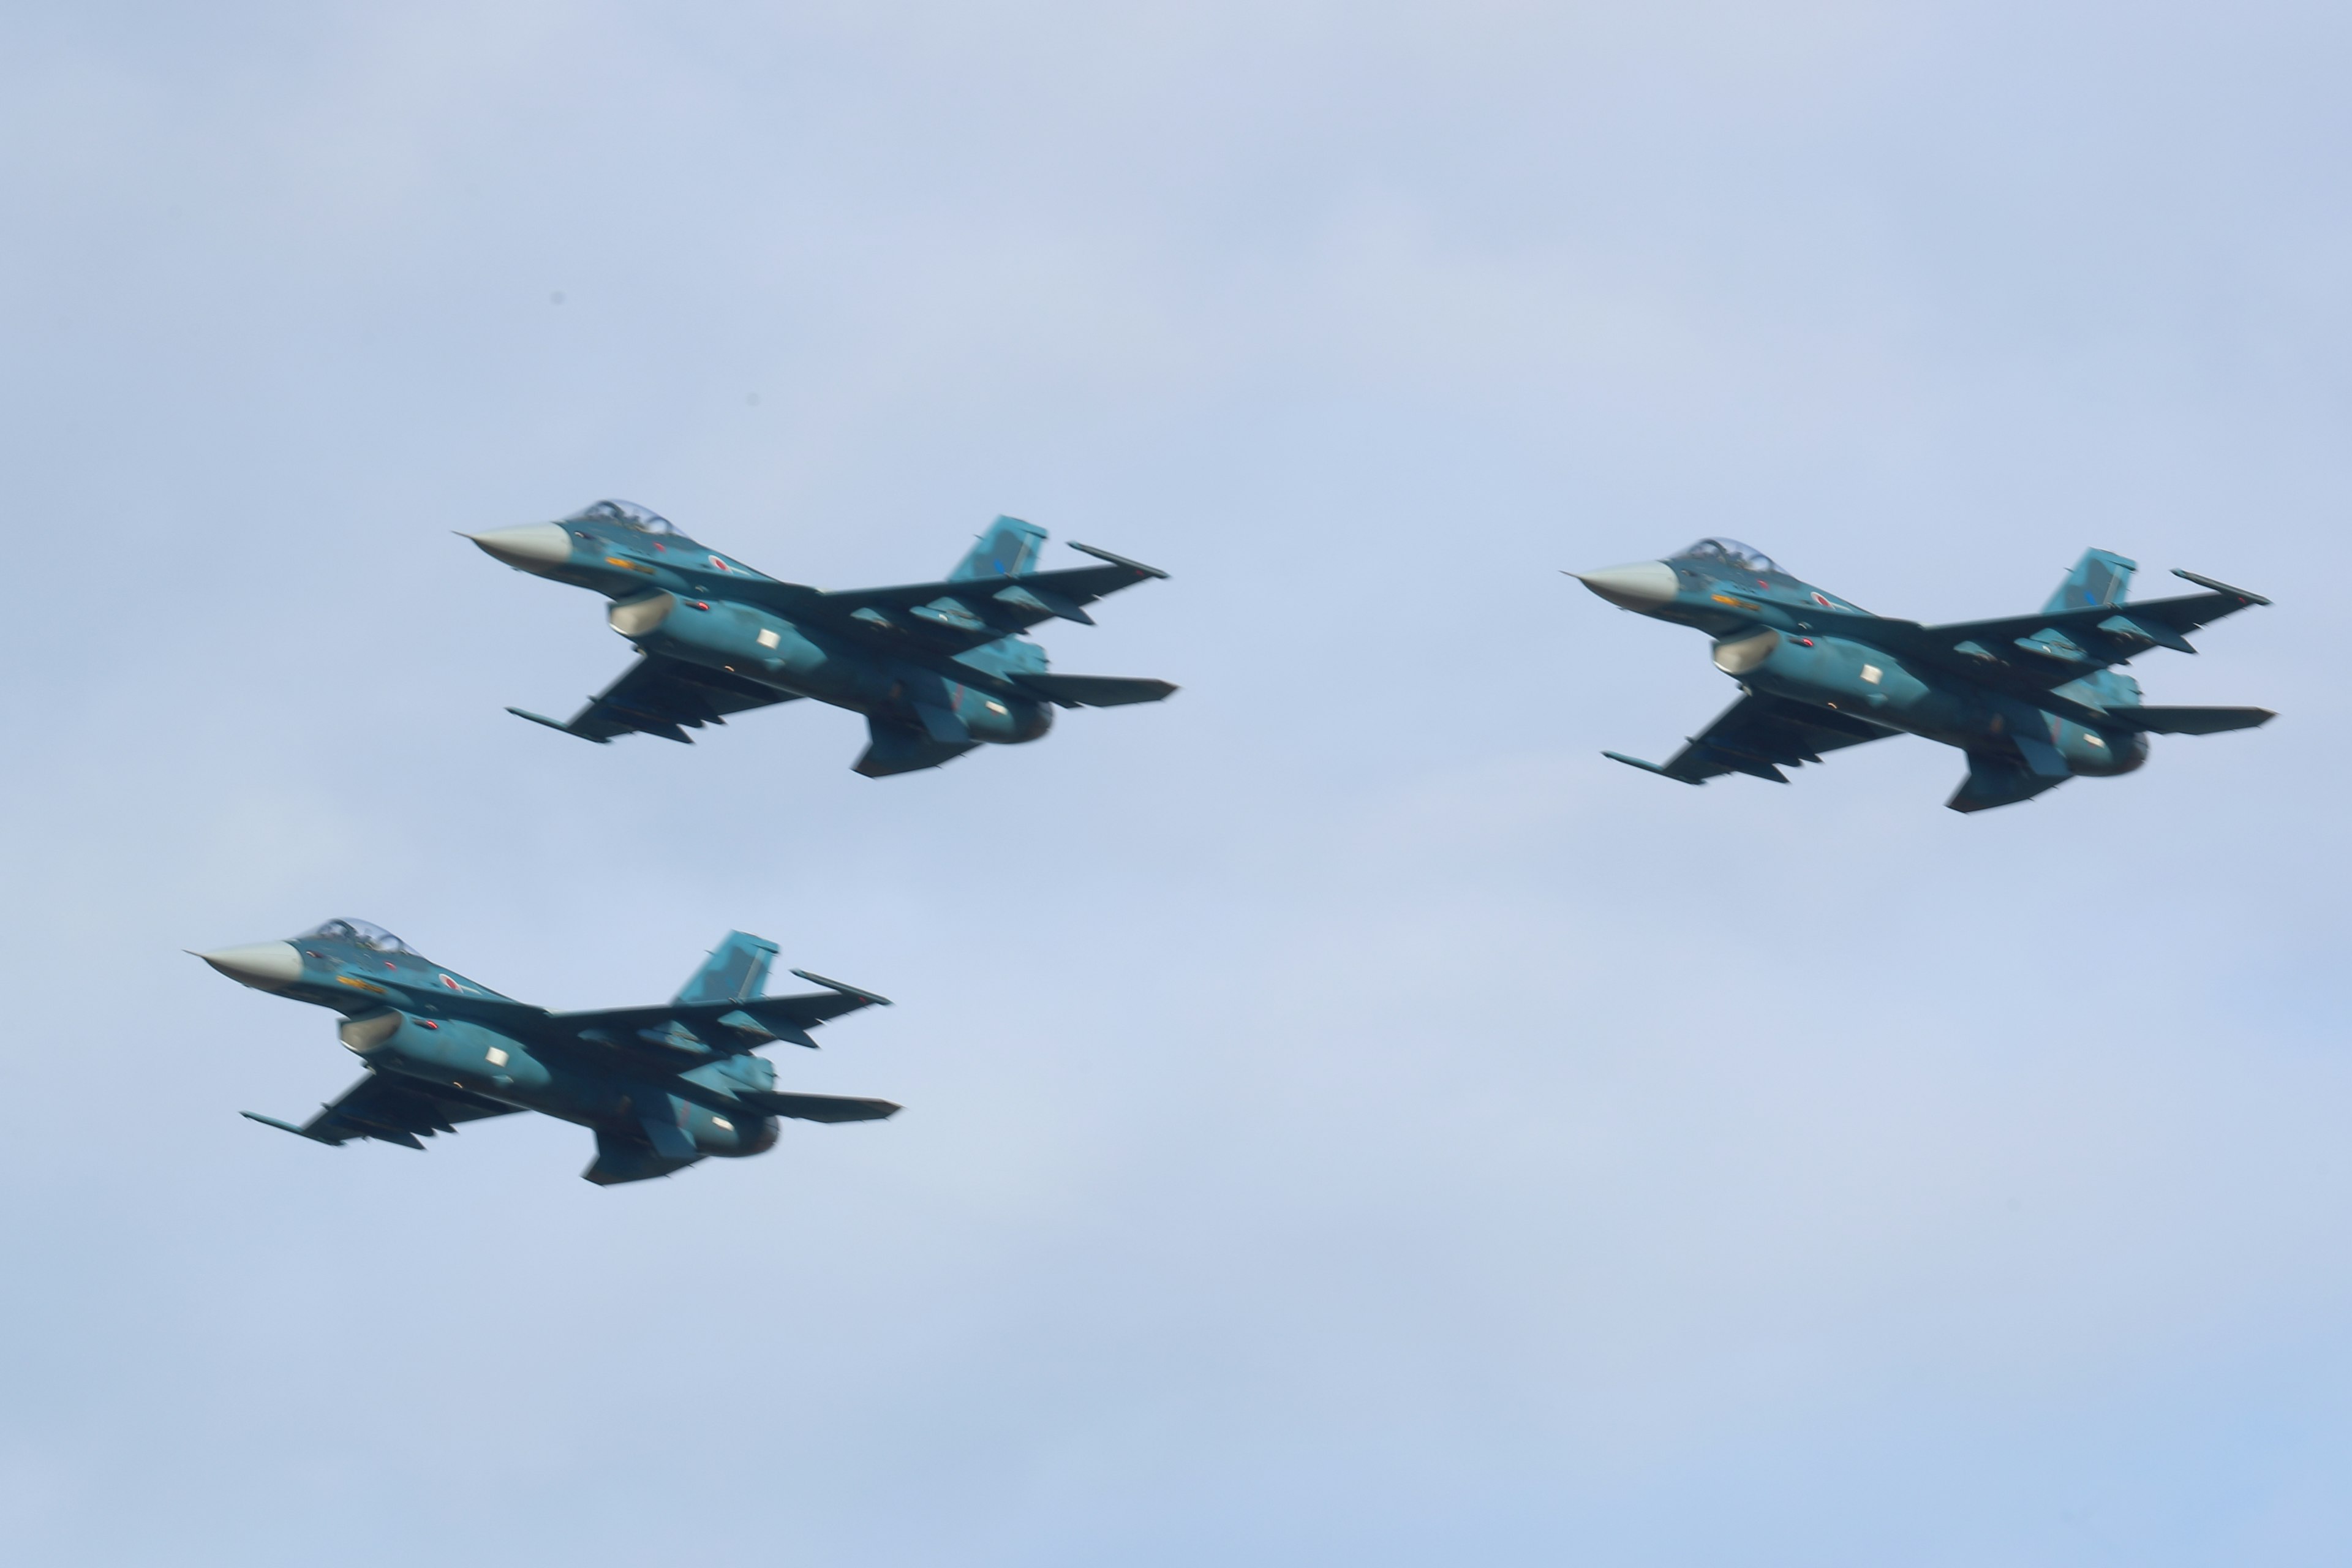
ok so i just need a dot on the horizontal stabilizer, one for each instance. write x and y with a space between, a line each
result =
2188 720
817 1107
1096 690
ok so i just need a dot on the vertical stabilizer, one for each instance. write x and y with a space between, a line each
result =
2101 577
1007 548
736 971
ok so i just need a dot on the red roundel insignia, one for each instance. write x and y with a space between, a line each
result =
1822 600
449 982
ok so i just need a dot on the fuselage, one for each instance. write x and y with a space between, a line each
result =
1771 633
680 599
403 1015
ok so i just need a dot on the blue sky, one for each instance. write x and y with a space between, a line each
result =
1348 1119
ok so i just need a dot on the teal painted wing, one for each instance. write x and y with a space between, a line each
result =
665 696
393 1111
1759 735
648 1037
958 615
2038 652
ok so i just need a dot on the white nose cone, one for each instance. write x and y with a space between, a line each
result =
530 547
264 966
1645 586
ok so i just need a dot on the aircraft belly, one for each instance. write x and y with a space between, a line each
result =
1949 717
1989 723
1868 683
577 1098
589 1100
495 1066
756 646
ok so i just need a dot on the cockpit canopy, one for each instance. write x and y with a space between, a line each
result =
373 937
1729 553
628 514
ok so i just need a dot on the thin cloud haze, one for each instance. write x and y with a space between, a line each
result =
1348 1117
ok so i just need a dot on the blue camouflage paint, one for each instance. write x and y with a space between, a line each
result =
937 669
2033 700
661 1086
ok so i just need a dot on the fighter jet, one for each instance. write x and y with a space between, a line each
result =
661 1086
936 668
2033 699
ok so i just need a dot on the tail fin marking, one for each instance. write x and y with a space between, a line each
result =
736 971
1008 548
2101 577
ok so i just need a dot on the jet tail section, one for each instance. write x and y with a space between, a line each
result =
2101 577
736 971
1007 549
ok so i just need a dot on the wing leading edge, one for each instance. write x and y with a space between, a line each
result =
2037 652
665 696
735 1025
960 614
1759 735
392 1111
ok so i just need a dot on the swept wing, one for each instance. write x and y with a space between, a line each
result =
953 617
2037 652
1759 735
665 696
392 1109
673 1035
